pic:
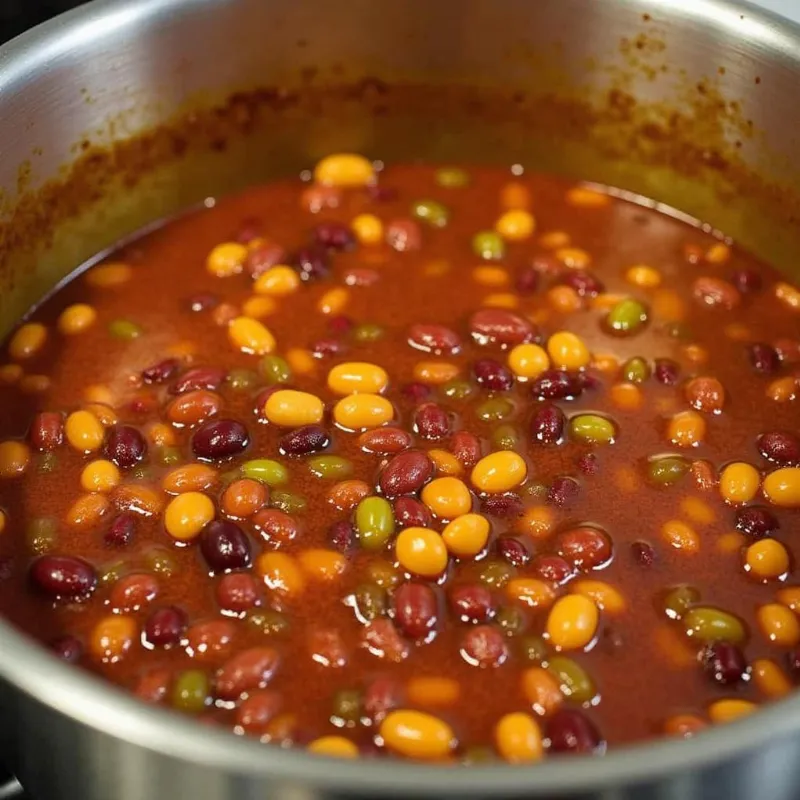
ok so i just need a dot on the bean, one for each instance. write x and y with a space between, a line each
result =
571 731
410 513
189 478
432 421
500 326
505 505
415 392
269 622
555 384
199 378
240 380
715 292
756 522
679 600
573 680
191 408
133 592
330 467
63 576
713 625
494 410
334 236
436 339
243 498
165 626
247 670
705 394
492 375
346 707
667 470
512 620
512 550
211 640
124 329
635 370
780 447
190 693
457 389
367 332
220 439
626 317
267 471
112 637
547 425
67 648
782 487
404 235
585 547
47 431
125 446
256 710
484 646
225 546
415 609
346 495
432 212
421 551
382 639
551 568
562 491
488 245
375 522
643 553
533 649
572 622
41 535
385 441
592 429
472 603
237 592
466 447
417 735
763 358
288 502
451 177
724 663
406 473
311 263
369 602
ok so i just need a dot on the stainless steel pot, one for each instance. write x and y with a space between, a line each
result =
121 112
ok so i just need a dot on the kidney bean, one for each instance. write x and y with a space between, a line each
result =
208 378
67 648
47 430
63 576
411 513
125 446
143 403
311 263
193 407
340 324
403 235
382 639
512 550
237 592
466 447
756 521
587 464
165 626
724 663
224 546
527 280
121 530
716 292
327 648
780 447
556 384
484 646
788 350
500 326
582 282
406 473
161 372
316 198
492 375
666 371
325 348
276 527
503 505
334 236
415 609
219 439
434 339
643 553
562 491
210 640
380 697
342 535
263 257
472 603
257 709
432 421
205 301
385 441
152 687
547 425
746 281
585 547
415 392
132 592
250 669
305 440
571 731
553 569
763 358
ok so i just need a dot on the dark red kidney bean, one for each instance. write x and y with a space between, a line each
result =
780 447
210 640
500 326
311 263
225 546
132 592
492 375
724 663
257 709
220 438
208 378
587 381
381 696
382 639
204 301
326 348
666 371
340 324
165 626
587 464
342 535
237 592
484 646
406 473
643 553
327 648
260 400
763 358
432 421
415 392
556 384
415 609
756 521
716 293
434 339
250 669
125 446
63 576
47 430
553 569
472 603
527 281
562 491
385 441
263 257
162 371
503 505
547 265
120 532
547 425
410 513
583 283
305 440
276 527
334 236
67 648
379 193
466 447
403 235
571 731
585 547
512 550
746 281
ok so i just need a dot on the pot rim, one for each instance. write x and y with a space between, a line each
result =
102 706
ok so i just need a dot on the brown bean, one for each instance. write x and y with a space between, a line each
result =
472 603
209 378
466 447
432 421
346 495
244 497
263 257
194 407
133 592
415 609
210 640
411 513
705 394
406 473
383 639
237 592
380 697
257 709
250 669
47 430
152 686
500 326
404 235
385 441
276 527
434 339
327 648
484 646
716 292
586 547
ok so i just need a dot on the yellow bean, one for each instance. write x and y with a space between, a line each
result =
27 341
333 747
359 411
466 535
100 476
738 482
187 514
770 678
226 259
499 472
333 301
782 487
14 458
519 738
767 559
779 624
568 351
516 225
107 276
357 376
278 281
84 431
88 510
435 372
447 497
344 170
603 595
281 573
415 734
251 336
76 318
293 409
259 306
421 551
572 622
530 592
730 710
528 360
643 276
368 229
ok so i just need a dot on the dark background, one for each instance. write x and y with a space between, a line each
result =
19 15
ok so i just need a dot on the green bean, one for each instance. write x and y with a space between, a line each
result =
374 522
488 245
275 370
627 316
124 329
451 177
592 429
190 693
667 470
573 679
495 409
288 502
266 470
330 467
432 212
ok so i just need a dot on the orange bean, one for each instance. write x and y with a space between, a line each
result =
88 510
189 478
430 691
346 495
